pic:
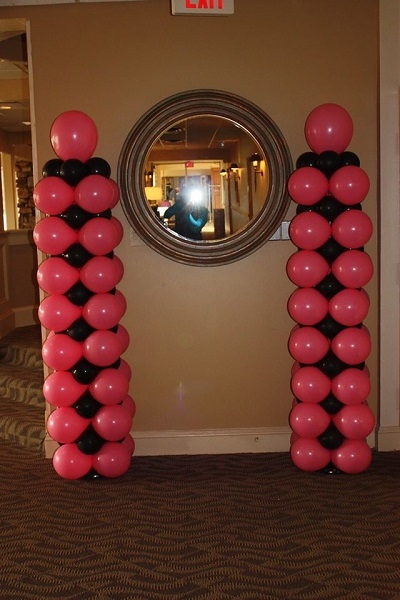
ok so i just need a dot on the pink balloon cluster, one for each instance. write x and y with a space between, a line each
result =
88 387
330 417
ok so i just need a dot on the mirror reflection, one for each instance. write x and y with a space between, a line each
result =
205 178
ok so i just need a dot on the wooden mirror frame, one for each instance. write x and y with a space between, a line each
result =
132 162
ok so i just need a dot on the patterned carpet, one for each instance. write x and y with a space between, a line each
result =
249 527
22 405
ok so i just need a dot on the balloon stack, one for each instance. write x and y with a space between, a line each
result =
330 418
88 384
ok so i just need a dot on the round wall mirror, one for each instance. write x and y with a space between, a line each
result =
203 177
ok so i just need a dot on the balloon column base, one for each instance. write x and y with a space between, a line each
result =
331 470
93 475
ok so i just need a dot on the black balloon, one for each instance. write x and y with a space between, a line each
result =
329 327
331 404
90 442
79 294
106 214
84 371
76 255
115 365
331 438
349 159
328 162
329 208
98 166
52 168
329 286
307 159
86 406
75 216
331 250
331 365
300 208
73 171
79 330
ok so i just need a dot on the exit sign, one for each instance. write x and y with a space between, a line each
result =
202 8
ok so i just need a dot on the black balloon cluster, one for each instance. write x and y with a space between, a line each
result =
87 388
330 416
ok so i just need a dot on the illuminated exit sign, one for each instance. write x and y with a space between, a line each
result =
202 8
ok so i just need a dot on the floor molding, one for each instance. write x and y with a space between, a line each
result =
388 438
212 441
26 315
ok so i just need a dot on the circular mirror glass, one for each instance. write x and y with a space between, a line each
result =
203 177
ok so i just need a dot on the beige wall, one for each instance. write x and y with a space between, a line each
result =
209 346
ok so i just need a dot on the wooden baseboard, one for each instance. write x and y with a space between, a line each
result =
26 315
388 438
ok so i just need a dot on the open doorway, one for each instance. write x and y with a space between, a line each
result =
19 295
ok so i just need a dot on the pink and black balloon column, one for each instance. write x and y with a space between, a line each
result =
330 417
88 384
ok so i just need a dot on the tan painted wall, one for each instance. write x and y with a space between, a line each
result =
209 346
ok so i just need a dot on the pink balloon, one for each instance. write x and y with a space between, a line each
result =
308 454
352 228
122 300
65 425
328 127
352 386
61 389
309 230
307 306
355 422
113 460
123 336
350 185
120 267
125 368
116 193
307 186
94 193
112 423
309 384
60 352
98 236
99 274
353 456
129 444
129 403
53 236
57 313
308 345
295 367
74 134
109 387
306 268
118 226
70 463
293 437
52 195
352 345
353 268
56 276
102 348
103 311
349 307
309 420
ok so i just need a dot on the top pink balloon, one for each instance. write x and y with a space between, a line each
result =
74 135
328 127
